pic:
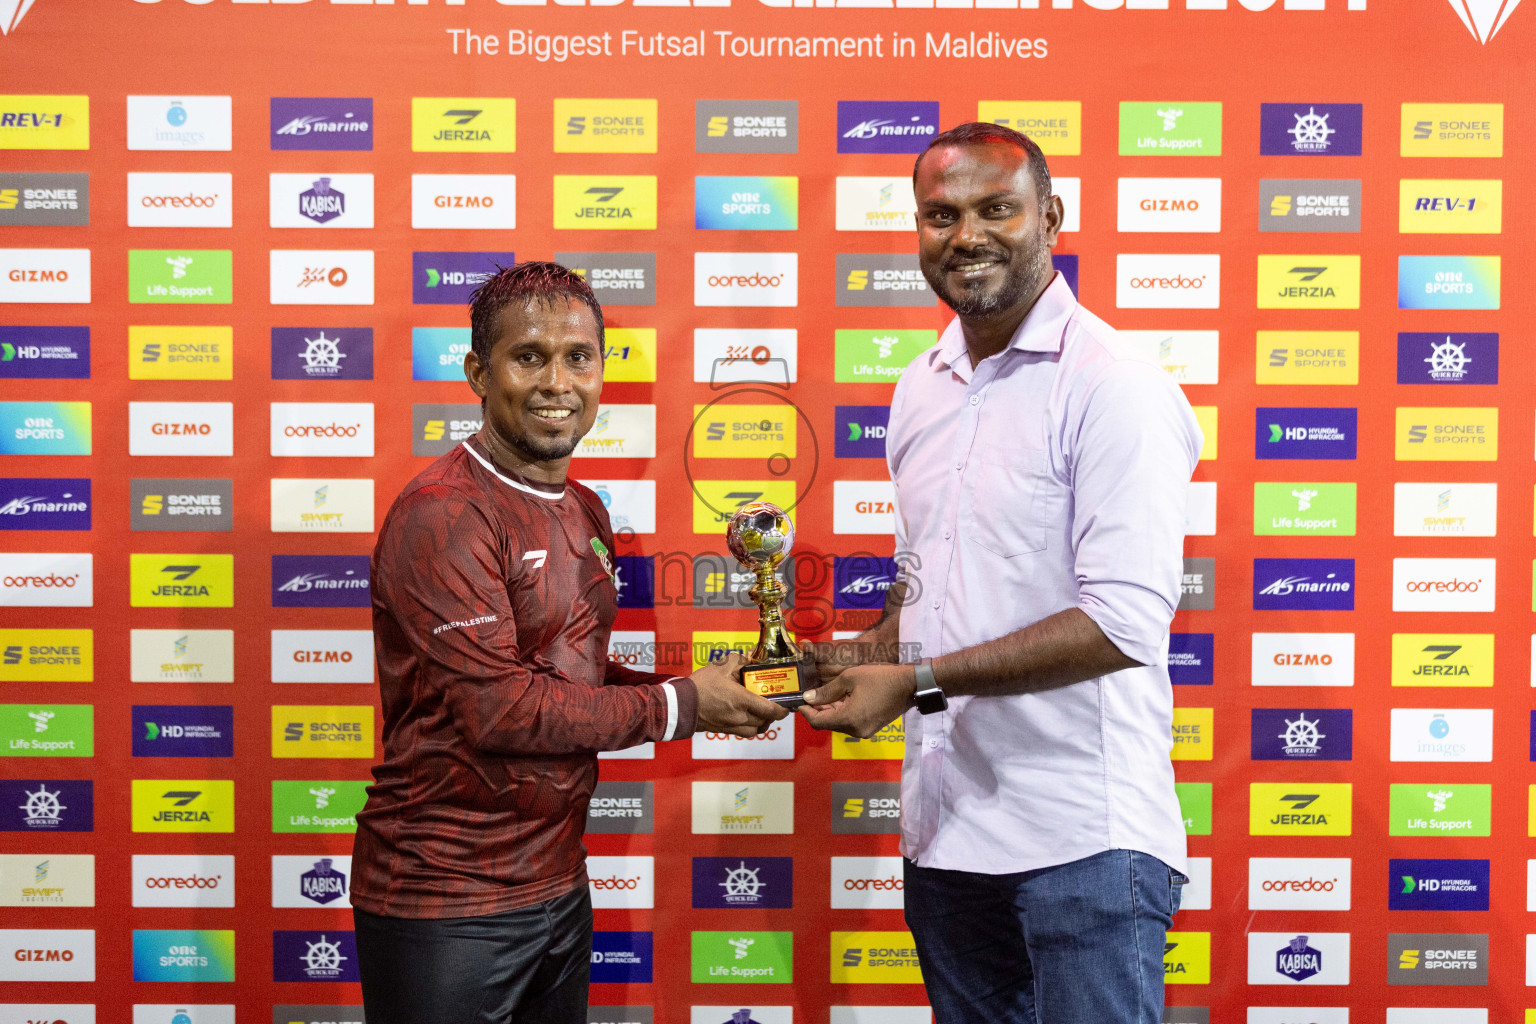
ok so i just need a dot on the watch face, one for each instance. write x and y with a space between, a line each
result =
930 701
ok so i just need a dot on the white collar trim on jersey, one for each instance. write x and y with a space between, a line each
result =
508 480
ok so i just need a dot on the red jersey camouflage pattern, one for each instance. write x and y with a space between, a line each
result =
493 600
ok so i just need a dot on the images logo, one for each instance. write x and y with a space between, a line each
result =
1448 282
322 353
1302 734
1429 809
38 353
745 126
743 882
45 275
885 126
1170 129
1167 281
183 805
1453 734
614 202
1447 433
43 122
1310 129
459 124
1454 129
320 581
180 123
1437 884
1294 809
181 581
449 278
1303 584
1442 659
616 278
318 123
881 280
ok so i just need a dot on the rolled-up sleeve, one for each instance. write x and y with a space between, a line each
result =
1131 455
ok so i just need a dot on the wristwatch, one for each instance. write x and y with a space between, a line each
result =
929 698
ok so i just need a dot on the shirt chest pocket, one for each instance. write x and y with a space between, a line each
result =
1005 500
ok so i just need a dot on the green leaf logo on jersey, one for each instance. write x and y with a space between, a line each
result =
602 556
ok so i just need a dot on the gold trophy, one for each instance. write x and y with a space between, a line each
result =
760 535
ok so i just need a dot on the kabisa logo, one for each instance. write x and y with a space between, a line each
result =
53 805
321 203
860 431
319 123
743 882
1298 961
616 278
885 126
746 126
1290 584
1302 734
32 503
449 278
1437 884
323 883
1436 358
52 353
320 581
314 956
1310 129
322 353
861 581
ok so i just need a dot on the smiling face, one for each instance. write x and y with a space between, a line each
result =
984 243
542 381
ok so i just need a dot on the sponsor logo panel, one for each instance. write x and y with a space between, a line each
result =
182 656
1197 585
746 126
47 954
776 743
182 200
869 279
47 655
311 730
45 353
1303 584
459 124
622 808
878 356
47 805
1194 806
322 123
55 200
320 200
1200 509
197 276
1303 659
1300 809
1202 1015
436 429
197 880
323 429
1055 126
863 506
45 503
1309 204
616 278
723 431
1451 734
1190 357
1167 281
1442 659
322 353
1450 206
885 126
320 277
450 278
1173 128
47 880
180 123
61 580
322 656
147 1013
605 202
1299 883
1308 282
875 204
747 278
728 1014
1437 884
1193 734
181 581
1452 129
180 353
47 122
1415 958
620 432
711 645
743 882
1192 659
883 1015
45 275
623 957
605 125
743 807
1302 734
622 882
52 1013
867 883
866 807
329 806
746 203
1169 205
326 505
1187 958
289 1013
745 355
1443 584
1448 282
631 504
183 730
874 958
311 881
1436 358
181 428
46 428
1447 434
183 805
1310 129
631 355
1316 433
1313 509
1285 958
464 201
314 956
1439 809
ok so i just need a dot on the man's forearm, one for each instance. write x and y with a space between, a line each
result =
1059 650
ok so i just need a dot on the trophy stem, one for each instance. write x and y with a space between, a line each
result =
774 640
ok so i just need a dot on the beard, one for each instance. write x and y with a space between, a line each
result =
1026 273
544 450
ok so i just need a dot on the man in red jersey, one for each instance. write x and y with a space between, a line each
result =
494 593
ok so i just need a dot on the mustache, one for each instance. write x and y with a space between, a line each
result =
961 259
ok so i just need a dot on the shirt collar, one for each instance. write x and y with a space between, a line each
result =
1041 331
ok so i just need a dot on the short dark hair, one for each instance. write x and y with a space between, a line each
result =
976 133
537 280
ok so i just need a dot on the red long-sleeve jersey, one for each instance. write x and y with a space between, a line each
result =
493 599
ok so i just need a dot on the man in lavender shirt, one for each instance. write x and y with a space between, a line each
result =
1041 467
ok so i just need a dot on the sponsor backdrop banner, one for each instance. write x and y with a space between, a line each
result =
235 250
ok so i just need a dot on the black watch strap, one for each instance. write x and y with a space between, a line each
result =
929 698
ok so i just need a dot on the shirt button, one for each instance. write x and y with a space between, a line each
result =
948 534
959 466
935 602
931 744
975 399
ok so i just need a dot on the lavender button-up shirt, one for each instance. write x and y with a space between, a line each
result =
1051 476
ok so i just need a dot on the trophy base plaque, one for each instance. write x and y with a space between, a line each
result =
781 682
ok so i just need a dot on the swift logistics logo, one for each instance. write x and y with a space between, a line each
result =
45 503
746 126
183 730
47 655
464 201
1437 884
1309 205
1448 282
746 203
885 126
1450 206
459 124
47 880
180 123
162 505
1308 281
45 352
449 278
181 581
1442 659
1056 126
1312 509
1300 809
1301 734
616 278
322 353
743 883
182 656
1315 433
1453 129
871 279
621 432
1447 434
201 276
320 581
875 204
605 126
1303 584
1170 129
322 123
46 122
1192 659
605 202
1310 129
1439 358
1438 809
765 808
306 730
54 200
180 353
183 805
321 505
1189 357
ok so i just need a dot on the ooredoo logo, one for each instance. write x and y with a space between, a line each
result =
1161 281
615 882
775 744
1443 584
184 882
867 883
322 428
622 882
1299 883
746 278
180 200
46 580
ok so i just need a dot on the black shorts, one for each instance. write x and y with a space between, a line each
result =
526 966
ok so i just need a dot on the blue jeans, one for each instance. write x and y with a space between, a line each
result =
1077 943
